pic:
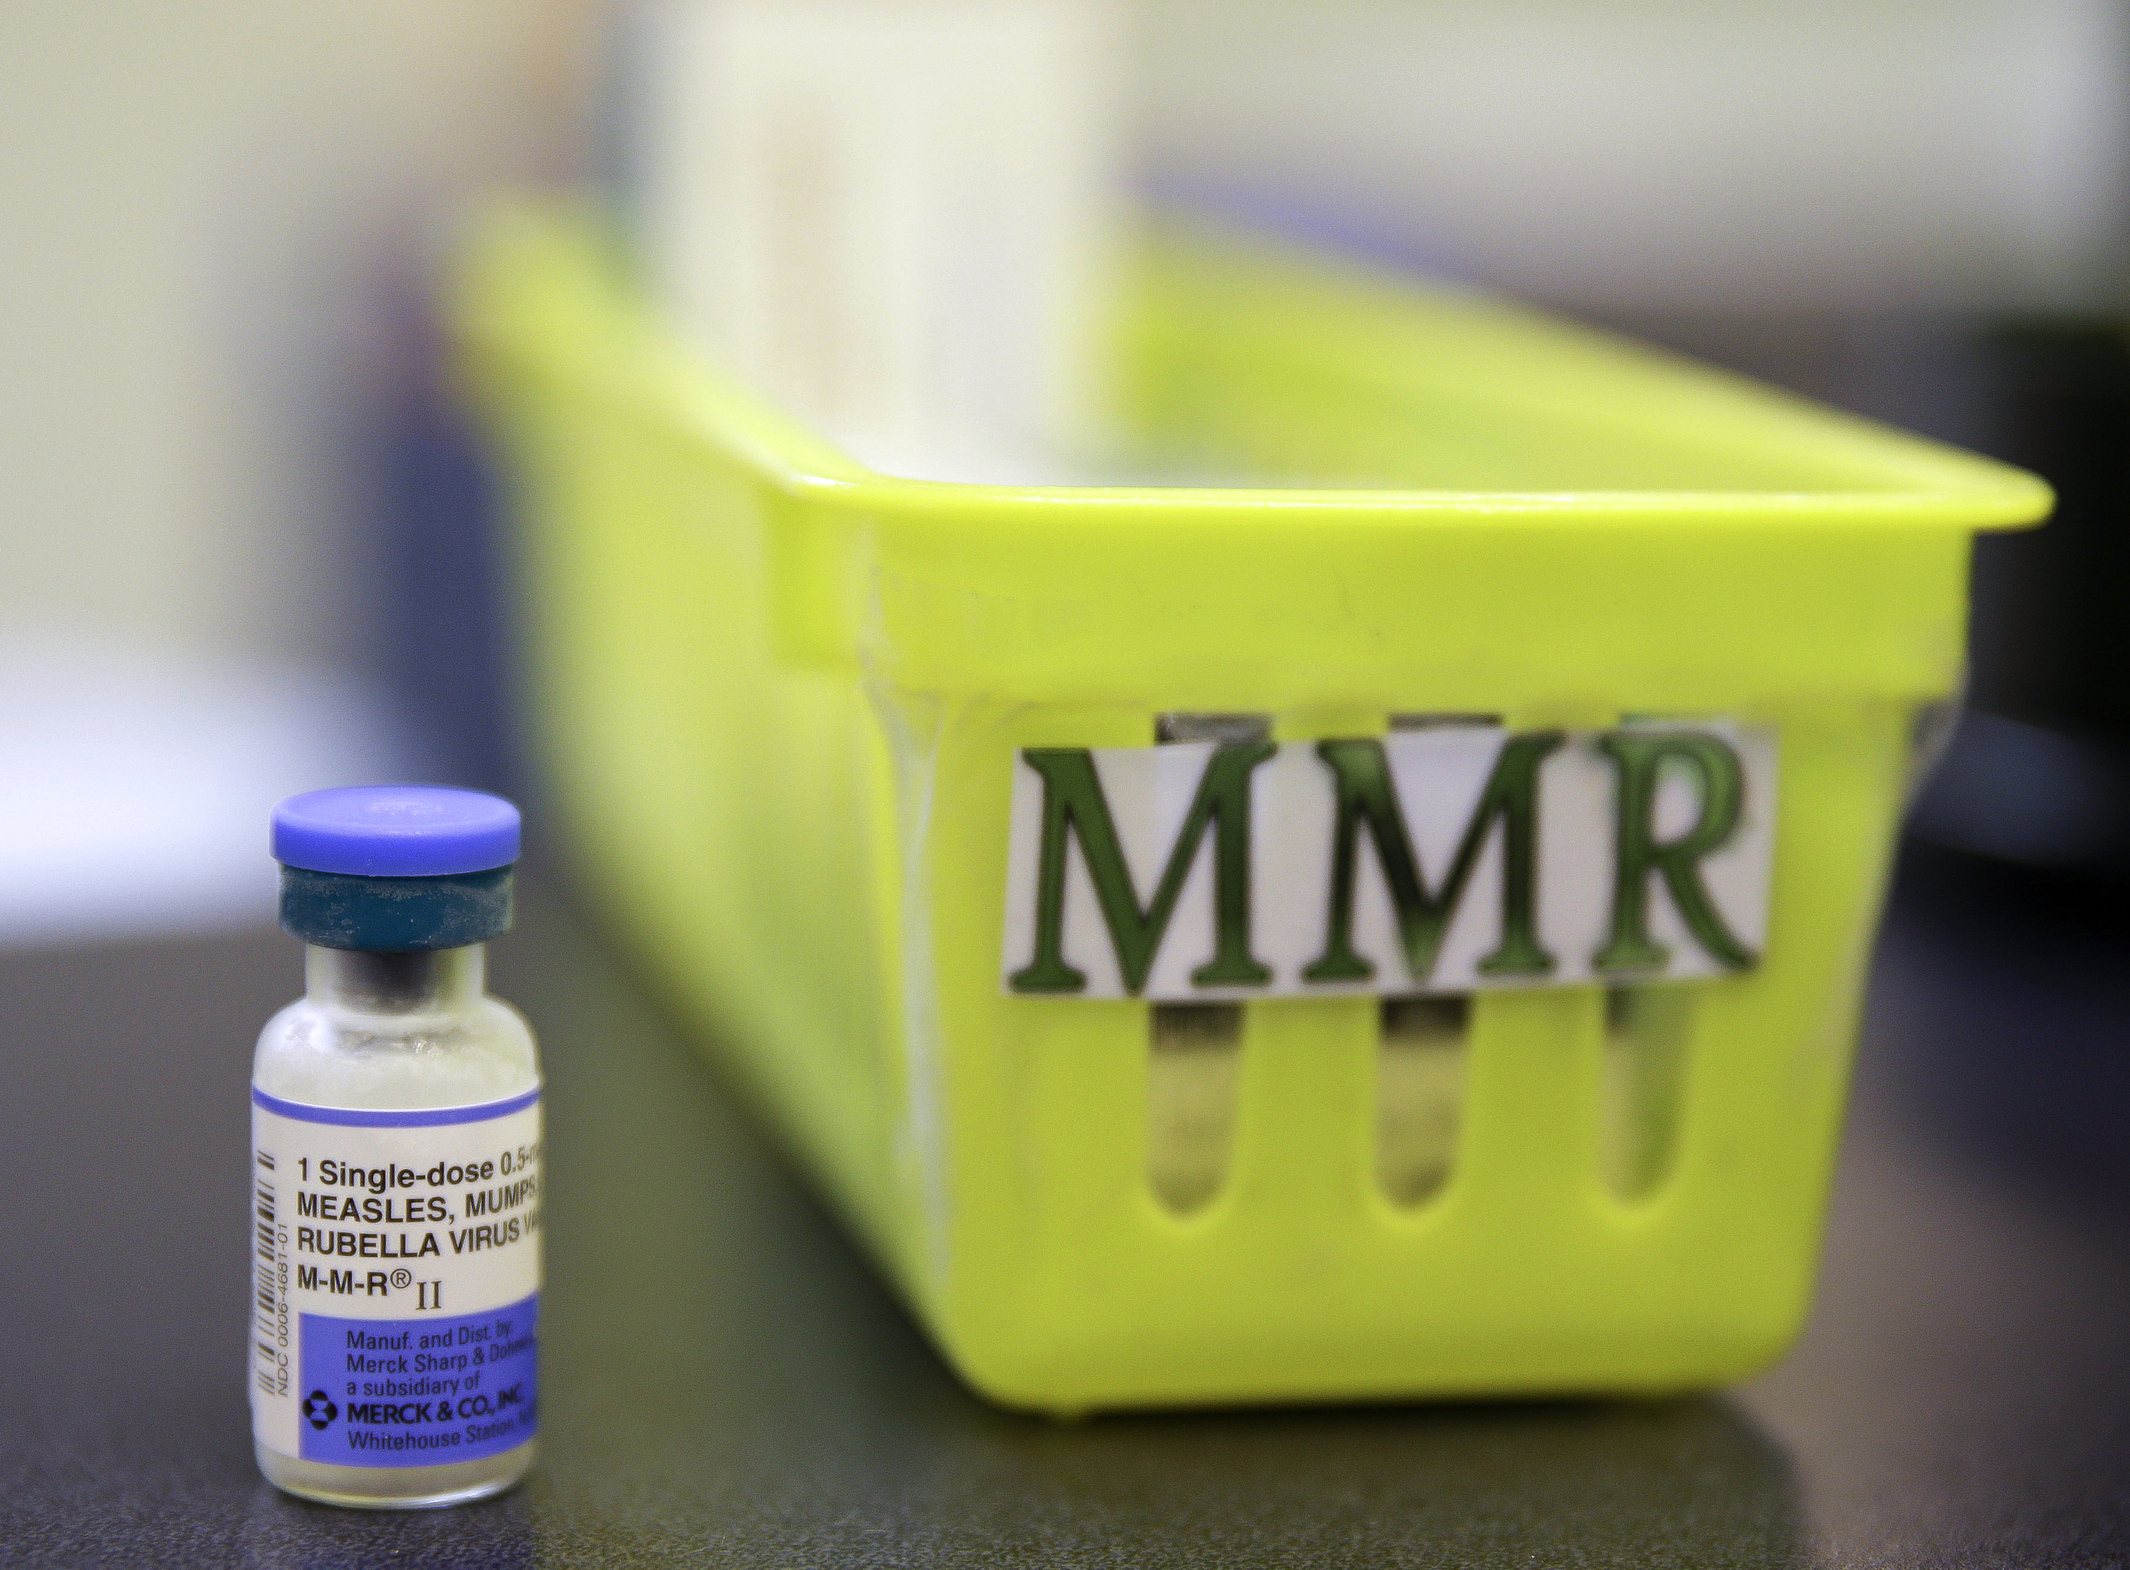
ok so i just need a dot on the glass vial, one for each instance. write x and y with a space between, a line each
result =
395 1162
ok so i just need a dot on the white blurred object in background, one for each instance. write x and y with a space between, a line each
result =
1762 154
134 796
895 214
214 210
895 217
208 205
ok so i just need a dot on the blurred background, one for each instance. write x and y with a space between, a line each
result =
250 547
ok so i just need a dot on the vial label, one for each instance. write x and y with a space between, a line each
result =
396 1266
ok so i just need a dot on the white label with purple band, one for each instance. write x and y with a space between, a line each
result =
396 1281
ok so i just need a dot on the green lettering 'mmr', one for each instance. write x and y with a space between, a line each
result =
1073 803
1368 796
1638 758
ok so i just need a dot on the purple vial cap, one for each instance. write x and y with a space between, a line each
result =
396 831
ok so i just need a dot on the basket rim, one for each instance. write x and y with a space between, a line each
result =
534 288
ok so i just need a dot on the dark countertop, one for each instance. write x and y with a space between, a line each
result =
725 1381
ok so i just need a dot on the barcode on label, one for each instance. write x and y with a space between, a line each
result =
266 1222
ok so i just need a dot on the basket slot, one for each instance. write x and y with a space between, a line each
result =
1212 727
1420 1062
1195 1048
1441 721
1420 1066
1647 1031
1191 1096
1647 1035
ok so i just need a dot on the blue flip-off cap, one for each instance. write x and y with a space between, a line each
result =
396 831
395 868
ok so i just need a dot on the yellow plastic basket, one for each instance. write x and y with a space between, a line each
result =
780 699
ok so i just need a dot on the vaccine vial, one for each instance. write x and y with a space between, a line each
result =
396 1165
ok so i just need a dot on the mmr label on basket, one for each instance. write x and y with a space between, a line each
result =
1444 859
